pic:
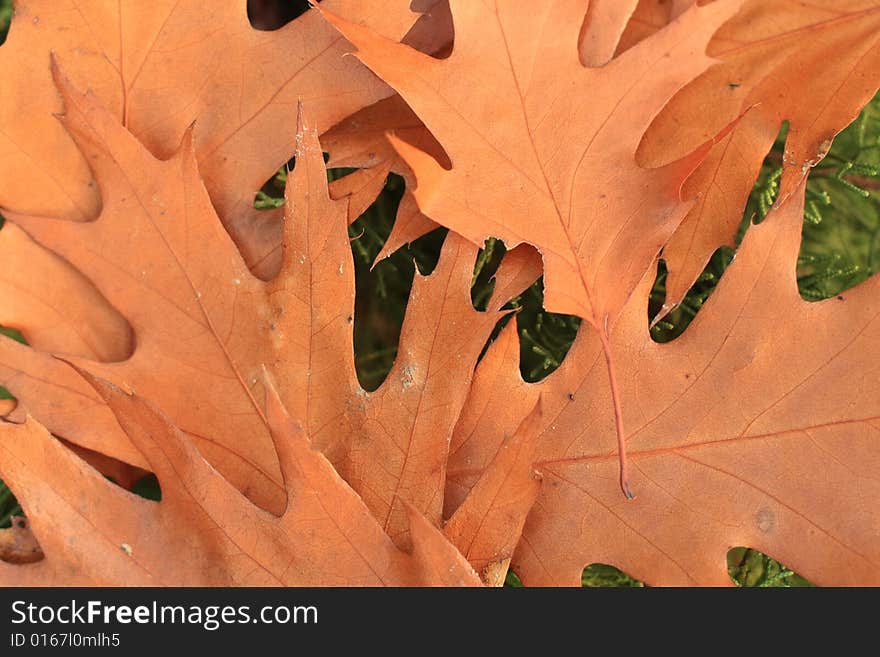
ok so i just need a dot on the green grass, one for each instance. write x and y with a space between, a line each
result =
841 247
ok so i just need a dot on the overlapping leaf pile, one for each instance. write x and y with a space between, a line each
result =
173 329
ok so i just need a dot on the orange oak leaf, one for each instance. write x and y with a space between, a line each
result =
204 532
814 65
91 328
361 141
368 149
531 165
605 23
487 526
204 327
743 432
160 67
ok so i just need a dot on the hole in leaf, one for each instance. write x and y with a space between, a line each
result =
679 318
840 244
117 472
600 575
545 337
751 568
8 403
15 334
271 194
148 488
268 15
512 580
382 293
338 172
485 268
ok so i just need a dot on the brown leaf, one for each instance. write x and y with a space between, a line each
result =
361 141
45 315
744 431
813 65
204 532
204 328
160 67
487 526
528 165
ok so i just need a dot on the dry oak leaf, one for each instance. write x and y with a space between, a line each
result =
487 526
532 160
161 66
204 532
361 141
92 328
204 327
531 164
814 65
745 431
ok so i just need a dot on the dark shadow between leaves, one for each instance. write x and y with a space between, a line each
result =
269 15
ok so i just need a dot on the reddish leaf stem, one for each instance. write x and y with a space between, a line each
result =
618 415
